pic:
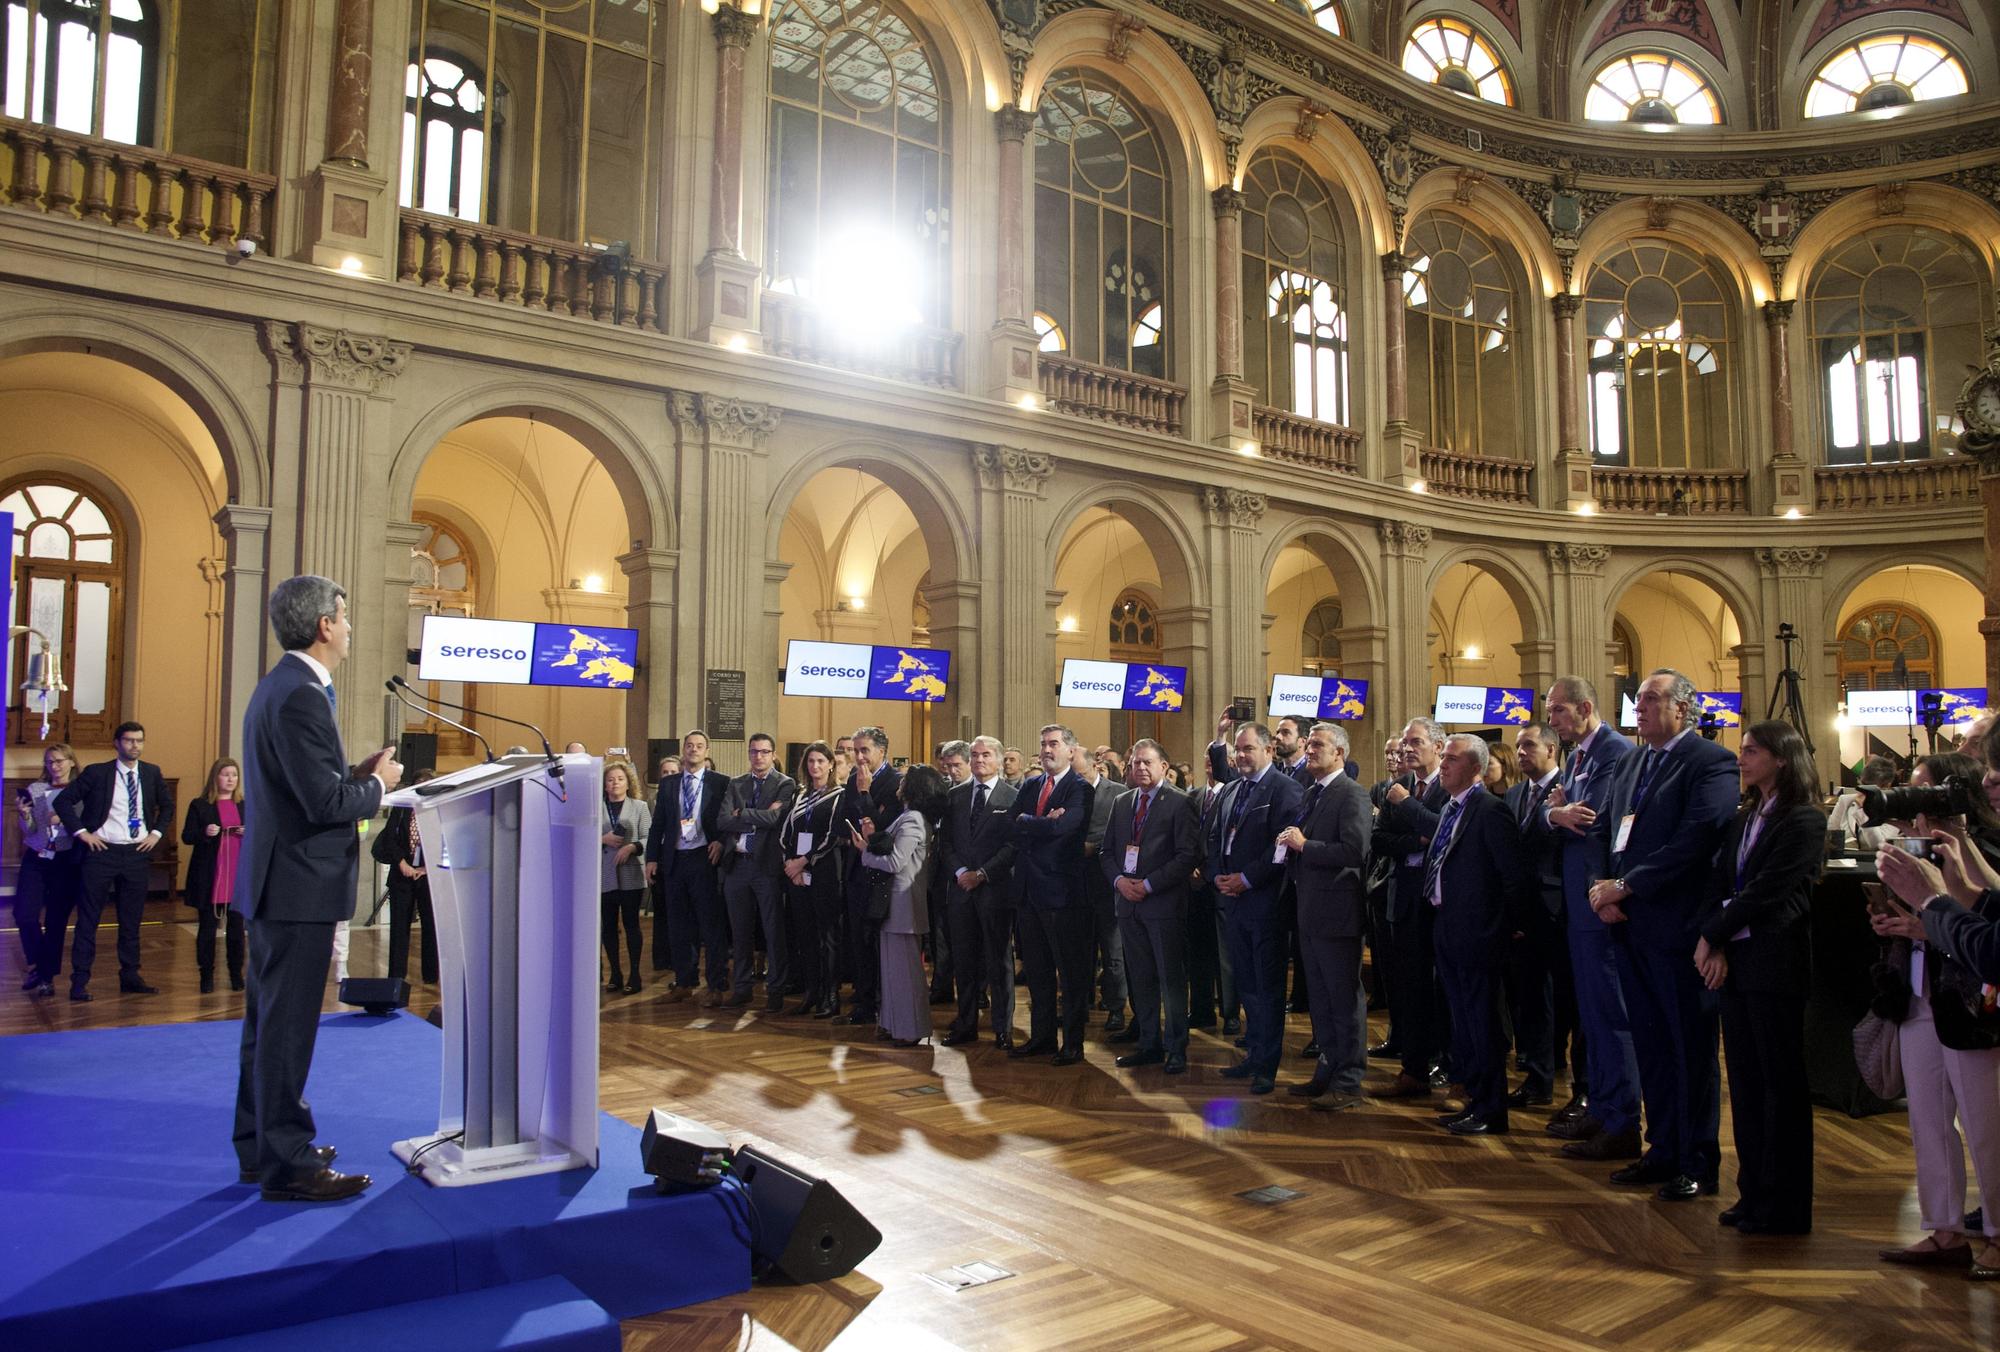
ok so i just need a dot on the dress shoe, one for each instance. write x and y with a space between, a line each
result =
1571 1111
1311 1049
136 987
1239 1071
1644 1173
675 994
1306 1089
1232 1027
826 1011
1681 1188
236 981
1731 1215
1336 1102
774 1004
1528 1096
859 1018
80 995
1262 1084
324 1186
43 991
325 1154
1004 1041
1130 1034
1385 1051
1133 1060
30 981
1576 1129
1605 1145
1446 1119
1243 1041
1405 1086
1176 1064
631 985
1033 1047
958 1037
1440 1078
208 983
1927 1253
714 999
1474 1125
737 1000
1117 1023
1068 1056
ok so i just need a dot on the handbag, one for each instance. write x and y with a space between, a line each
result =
1878 1054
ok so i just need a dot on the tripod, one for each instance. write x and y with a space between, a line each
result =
1785 689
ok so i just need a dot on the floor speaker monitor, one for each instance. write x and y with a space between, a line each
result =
805 1230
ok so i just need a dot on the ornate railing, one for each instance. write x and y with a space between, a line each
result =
64 174
1948 482
1304 441
1477 476
1672 492
471 259
1110 395
920 355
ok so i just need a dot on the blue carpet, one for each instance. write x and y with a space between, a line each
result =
124 1226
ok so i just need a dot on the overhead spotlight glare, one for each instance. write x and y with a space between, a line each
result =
857 603
1029 402
1247 448
351 266
1420 487
737 343
1069 624
1794 514
594 583
1586 508
1472 652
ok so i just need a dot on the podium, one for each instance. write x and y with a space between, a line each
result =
513 868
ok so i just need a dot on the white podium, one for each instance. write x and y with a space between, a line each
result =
513 870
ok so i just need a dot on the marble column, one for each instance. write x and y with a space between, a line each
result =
730 285
1013 483
1576 586
246 537
1406 608
1791 477
1402 444
650 581
955 627
1571 487
1231 397
398 576
1232 516
1791 591
344 208
353 69
1012 345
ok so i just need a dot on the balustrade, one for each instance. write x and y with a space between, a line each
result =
918 354
1110 395
467 258
1306 441
62 173
1950 481
1672 492
1476 476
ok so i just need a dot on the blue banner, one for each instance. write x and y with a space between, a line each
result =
1958 704
1318 697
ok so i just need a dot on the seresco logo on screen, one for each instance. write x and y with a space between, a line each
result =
827 670
494 652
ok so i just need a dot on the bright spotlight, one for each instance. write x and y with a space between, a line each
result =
1420 487
737 343
1586 508
1247 448
351 266
1794 514
868 283
1029 402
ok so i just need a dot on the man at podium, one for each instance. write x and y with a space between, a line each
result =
295 879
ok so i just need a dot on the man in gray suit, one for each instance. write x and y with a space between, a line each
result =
752 811
1326 855
1151 846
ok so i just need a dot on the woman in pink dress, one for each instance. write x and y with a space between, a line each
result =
214 830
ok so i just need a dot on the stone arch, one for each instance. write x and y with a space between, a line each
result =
1497 212
1693 225
968 41
1854 569
1974 48
649 511
1340 547
1491 30
937 505
1530 597
172 362
1182 582
1729 588
1927 205
1336 154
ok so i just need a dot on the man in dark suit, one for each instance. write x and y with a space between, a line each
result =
1244 861
954 761
1411 807
1380 869
294 882
1472 871
978 857
1049 817
682 852
1151 845
1605 1125
752 811
1326 853
1669 806
876 786
1539 989
1101 769
117 810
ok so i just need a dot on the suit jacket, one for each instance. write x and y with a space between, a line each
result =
1222 770
1480 880
1048 850
1273 803
1772 902
86 802
665 836
1969 937
1588 779
300 848
1168 851
1667 858
1330 875
738 819
1541 852
1402 831
880 805
985 842
903 851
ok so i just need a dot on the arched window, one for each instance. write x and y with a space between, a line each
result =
1885 70
1651 87
1451 54
1457 300
859 204
1319 640
1894 321
1102 223
69 583
1324 13
444 138
1295 322
1872 641
49 51
1135 632
443 581
1658 324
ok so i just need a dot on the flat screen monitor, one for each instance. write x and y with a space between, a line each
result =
527 652
866 671
1145 687
1483 705
1318 697
1906 708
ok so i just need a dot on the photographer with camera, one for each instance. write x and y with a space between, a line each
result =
1948 1026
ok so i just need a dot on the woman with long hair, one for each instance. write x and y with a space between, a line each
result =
1754 950
51 877
214 832
627 822
904 852
814 843
1503 768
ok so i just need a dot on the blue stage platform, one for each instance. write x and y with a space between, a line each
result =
122 1224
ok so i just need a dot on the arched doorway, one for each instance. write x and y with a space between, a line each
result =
1914 627
1672 618
1110 600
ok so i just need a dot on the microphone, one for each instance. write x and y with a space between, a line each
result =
555 762
395 685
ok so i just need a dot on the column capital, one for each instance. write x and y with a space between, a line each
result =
1778 312
234 520
336 358
1576 559
1013 124
1226 201
1017 470
722 420
1566 304
1792 561
1237 508
732 27
1404 539
1394 265
405 533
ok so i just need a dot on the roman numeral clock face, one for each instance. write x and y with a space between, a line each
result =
1982 404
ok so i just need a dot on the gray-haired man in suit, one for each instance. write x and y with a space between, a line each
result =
1326 855
1151 846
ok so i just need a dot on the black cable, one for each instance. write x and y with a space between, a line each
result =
428 1146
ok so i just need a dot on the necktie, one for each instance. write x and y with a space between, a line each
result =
1312 797
1530 803
1048 787
1434 866
1648 764
1241 803
978 800
131 802
332 702
1139 811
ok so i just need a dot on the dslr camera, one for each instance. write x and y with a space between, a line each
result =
1956 797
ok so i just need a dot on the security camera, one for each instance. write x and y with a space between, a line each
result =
246 247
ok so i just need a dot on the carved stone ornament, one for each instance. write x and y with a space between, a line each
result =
1405 538
1012 468
1229 91
1237 507
334 357
1575 558
732 27
1310 114
1659 212
734 422
1465 185
1889 198
1124 28
1792 561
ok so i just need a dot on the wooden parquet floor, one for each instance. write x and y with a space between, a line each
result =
1112 1196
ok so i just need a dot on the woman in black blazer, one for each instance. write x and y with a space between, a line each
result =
1754 949
813 840
409 892
213 832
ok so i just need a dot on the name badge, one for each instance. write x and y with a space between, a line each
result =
1131 858
743 843
806 845
806 878
132 826
1278 854
1624 832
689 825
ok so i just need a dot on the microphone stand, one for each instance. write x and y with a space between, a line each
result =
396 686
555 762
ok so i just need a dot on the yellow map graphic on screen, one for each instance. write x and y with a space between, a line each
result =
1346 702
923 682
926 685
604 662
1159 691
1511 709
1721 714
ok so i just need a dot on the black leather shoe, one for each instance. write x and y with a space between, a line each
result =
208 983
616 985
1575 1129
631 985
1527 1096
958 1038
80 995
1243 1041
1446 1119
1130 1034
1576 1108
1239 1071
856 1018
1262 1084
1473 1125
1385 1051
1311 1050
137 988
1232 1027
1117 1023
1643 1174
1133 1060
826 1012
1731 1216
324 1186
325 1154
1440 1078
1605 1145
1679 1188
1033 1048
1004 1041
1068 1056
1306 1089
1176 1064
236 981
